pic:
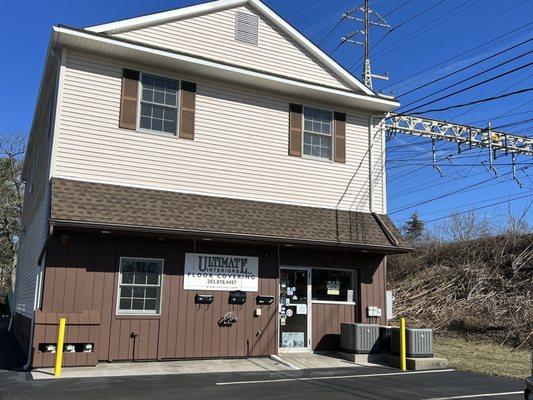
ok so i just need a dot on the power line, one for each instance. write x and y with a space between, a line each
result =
477 101
470 66
398 8
331 32
478 208
489 42
499 92
440 19
507 196
504 115
463 189
468 87
524 121
397 27
435 46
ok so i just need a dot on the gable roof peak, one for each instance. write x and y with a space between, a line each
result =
218 5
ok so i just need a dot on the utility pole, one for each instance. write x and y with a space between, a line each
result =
352 37
367 73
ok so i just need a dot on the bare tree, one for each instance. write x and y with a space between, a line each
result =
12 149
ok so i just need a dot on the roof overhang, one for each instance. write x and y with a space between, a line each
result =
186 233
154 56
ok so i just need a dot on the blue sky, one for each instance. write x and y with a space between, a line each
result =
450 35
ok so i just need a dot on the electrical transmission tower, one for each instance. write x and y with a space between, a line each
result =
496 142
352 37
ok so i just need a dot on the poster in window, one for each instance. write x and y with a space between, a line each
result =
333 288
292 339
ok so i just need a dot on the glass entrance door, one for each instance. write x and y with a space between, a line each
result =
294 308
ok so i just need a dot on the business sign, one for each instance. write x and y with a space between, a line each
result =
220 272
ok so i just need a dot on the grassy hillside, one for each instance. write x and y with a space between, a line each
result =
478 289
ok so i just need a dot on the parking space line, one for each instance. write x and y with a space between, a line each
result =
473 396
318 378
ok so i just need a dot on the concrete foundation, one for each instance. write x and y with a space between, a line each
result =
413 364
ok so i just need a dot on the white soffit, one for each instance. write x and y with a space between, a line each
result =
213 6
64 36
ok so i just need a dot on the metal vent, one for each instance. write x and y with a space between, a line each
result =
246 28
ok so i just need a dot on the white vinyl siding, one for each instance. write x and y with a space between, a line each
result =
36 206
31 244
213 35
239 150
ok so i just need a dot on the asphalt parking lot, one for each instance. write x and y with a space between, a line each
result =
312 384
372 383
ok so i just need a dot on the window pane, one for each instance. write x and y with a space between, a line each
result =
159 97
137 304
169 127
170 99
151 293
157 112
157 124
150 305
138 292
148 80
153 279
153 268
127 267
125 304
140 279
145 122
127 278
332 285
148 94
172 86
159 84
126 291
159 91
317 133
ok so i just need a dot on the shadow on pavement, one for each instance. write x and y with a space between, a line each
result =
11 356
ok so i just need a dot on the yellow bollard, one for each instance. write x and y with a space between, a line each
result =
59 347
403 347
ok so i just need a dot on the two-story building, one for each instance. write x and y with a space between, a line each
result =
201 182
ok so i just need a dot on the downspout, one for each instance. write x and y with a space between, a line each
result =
371 120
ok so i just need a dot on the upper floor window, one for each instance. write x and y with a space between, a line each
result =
318 133
139 285
159 104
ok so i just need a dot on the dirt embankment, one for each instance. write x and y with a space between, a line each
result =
481 288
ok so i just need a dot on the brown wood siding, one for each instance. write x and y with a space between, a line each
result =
326 320
371 275
83 275
373 287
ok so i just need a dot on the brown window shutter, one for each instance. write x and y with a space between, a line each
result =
128 100
187 110
295 130
340 137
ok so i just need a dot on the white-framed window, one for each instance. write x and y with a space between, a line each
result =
318 133
159 104
332 285
139 285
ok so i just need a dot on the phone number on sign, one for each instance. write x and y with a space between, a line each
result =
221 281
